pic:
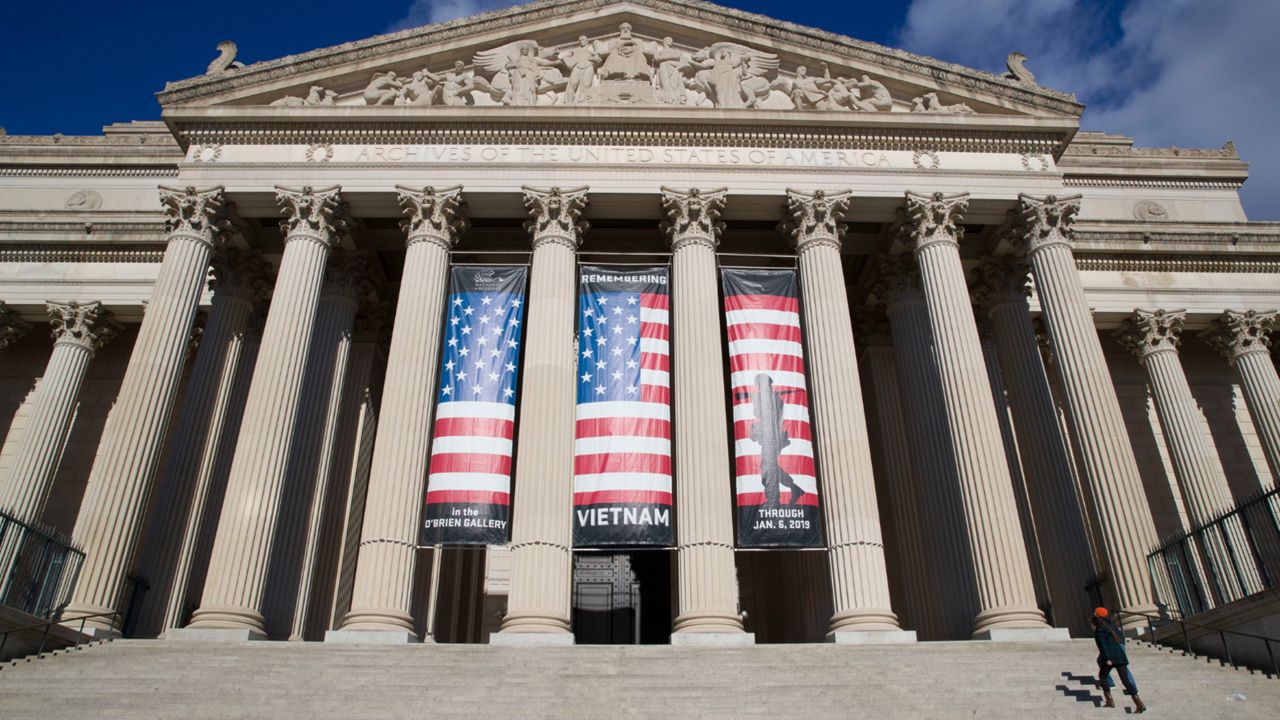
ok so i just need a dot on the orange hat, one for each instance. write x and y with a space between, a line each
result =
1101 612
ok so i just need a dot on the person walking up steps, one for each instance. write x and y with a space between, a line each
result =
1111 655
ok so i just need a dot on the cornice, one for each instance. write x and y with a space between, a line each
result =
160 171
714 15
1178 263
79 254
1150 182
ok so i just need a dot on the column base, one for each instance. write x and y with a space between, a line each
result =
532 639
871 637
713 639
370 637
214 635
1045 634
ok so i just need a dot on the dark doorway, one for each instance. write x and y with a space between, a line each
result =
622 598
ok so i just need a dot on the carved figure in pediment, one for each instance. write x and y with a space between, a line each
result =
929 103
316 96
812 93
873 95
626 58
670 77
582 62
521 72
420 89
733 75
456 85
383 89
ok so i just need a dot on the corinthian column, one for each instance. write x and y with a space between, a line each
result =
949 607
111 514
1107 463
12 327
233 593
1243 339
1153 337
240 281
706 574
859 579
541 535
382 597
79 330
1006 595
1001 288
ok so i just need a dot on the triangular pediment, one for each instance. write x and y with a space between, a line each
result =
675 55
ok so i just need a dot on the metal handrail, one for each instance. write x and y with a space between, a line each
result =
48 625
1222 636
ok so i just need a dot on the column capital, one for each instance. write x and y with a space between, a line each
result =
1147 332
693 216
372 324
1236 333
318 215
433 215
347 275
246 275
871 327
12 327
815 219
1000 281
88 325
933 218
1044 343
555 215
897 278
200 215
1045 221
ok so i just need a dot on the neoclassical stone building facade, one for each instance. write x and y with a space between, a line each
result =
1030 351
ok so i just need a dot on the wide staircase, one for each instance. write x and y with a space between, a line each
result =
282 680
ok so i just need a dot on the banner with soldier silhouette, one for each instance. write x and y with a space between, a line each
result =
776 484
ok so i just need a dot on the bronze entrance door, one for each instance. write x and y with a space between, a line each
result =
606 600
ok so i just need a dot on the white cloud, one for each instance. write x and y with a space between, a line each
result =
425 12
1191 73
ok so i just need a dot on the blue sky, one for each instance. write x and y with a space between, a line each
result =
1191 73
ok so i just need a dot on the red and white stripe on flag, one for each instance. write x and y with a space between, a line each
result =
622 442
471 453
764 337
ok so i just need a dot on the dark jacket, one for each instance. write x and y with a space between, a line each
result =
1110 642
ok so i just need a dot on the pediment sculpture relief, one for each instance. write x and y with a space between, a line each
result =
626 69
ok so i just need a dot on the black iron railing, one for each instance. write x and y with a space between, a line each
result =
38 567
1235 555
1182 640
47 626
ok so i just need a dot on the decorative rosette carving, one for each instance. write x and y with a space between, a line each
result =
1046 221
203 215
934 218
815 217
1236 333
316 214
433 215
693 216
1147 332
88 325
555 215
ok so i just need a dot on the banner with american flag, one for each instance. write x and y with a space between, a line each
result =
469 477
776 484
622 443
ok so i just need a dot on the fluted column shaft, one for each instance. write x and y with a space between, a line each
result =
896 474
1107 463
235 586
345 283
1243 338
541 531
706 575
1046 462
382 597
855 554
78 331
183 483
1006 595
115 499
